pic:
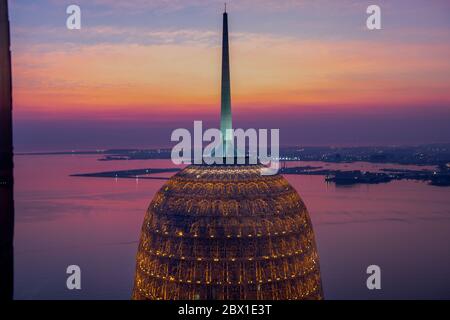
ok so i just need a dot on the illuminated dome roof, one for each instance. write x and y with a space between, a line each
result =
227 232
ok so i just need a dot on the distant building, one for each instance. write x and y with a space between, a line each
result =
227 232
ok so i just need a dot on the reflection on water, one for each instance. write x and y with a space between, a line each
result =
402 226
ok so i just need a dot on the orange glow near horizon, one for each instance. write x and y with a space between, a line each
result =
266 71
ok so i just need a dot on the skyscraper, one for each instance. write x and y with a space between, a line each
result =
226 232
6 159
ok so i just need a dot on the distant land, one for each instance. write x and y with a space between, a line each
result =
129 174
436 155
440 177
422 155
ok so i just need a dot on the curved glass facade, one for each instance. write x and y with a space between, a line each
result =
227 232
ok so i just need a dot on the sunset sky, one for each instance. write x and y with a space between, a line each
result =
139 69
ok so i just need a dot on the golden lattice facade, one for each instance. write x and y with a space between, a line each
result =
227 232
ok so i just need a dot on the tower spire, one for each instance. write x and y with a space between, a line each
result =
225 117
6 159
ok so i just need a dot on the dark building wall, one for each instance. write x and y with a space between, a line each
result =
6 159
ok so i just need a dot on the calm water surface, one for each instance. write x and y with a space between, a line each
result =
402 226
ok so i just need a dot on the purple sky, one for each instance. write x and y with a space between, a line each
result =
139 69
